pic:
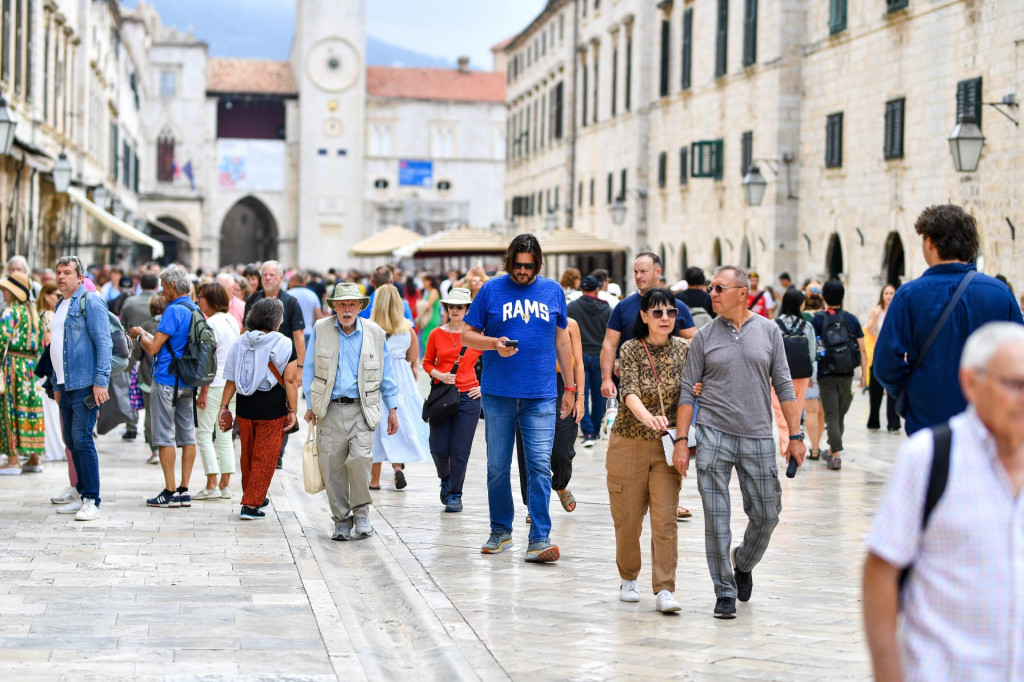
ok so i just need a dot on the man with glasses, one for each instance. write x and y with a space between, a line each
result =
519 320
737 357
963 600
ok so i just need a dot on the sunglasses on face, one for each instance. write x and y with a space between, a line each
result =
456 307
718 288
529 267
658 313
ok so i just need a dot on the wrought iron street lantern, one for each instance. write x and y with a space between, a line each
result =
965 143
551 220
754 186
100 196
619 210
62 174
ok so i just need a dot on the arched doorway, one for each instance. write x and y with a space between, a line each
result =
716 253
834 256
746 260
248 233
893 262
176 250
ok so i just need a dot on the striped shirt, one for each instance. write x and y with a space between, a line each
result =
964 603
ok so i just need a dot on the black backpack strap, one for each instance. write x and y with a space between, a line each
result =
757 298
938 476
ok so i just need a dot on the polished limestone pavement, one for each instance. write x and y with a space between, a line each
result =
197 594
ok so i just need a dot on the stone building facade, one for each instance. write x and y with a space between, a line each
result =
670 103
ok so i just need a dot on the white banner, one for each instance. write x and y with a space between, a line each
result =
250 165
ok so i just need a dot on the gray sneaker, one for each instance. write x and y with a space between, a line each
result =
497 543
362 528
541 552
342 530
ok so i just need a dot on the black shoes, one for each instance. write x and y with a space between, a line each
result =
725 608
446 488
400 481
744 580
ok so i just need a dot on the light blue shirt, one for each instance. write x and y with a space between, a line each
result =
365 314
345 381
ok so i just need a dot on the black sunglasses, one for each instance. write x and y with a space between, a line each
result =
658 313
529 267
718 288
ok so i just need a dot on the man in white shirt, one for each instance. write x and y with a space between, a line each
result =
963 604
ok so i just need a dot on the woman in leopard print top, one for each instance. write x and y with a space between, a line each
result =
639 477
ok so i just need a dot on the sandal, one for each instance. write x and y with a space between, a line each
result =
374 487
683 513
815 454
567 500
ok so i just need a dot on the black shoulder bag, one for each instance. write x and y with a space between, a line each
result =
443 400
900 396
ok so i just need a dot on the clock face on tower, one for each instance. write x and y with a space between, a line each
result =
333 64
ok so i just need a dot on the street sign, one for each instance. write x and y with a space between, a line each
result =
415 173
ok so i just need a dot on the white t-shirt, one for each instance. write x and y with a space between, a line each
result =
57 340
226 328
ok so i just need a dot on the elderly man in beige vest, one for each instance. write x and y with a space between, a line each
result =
345 380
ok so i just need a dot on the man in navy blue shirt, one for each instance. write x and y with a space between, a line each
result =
646 274
518 387
949 239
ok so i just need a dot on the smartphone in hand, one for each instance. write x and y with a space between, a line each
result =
511 343
90 401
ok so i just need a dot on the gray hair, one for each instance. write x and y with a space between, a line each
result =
177 277
72 260
19 261
263 267
986 341
266 315
739 275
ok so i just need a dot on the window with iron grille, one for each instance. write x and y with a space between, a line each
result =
968 98
746 152
834 140
666 34
706 159
893 146
662 170
836 16
722 38
750 33
687 47
682 165
895 5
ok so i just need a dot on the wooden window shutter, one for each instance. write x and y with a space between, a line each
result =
750 33
836 16
968 98
662 170
894 128
666 34
722 39
834 141
746 152
682 165
687 48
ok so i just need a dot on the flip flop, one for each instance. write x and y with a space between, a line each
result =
683 513
567 500
374 487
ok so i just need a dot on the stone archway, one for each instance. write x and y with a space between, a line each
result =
684 259
746 258
716 253
894 260
176 250
248 233
834 256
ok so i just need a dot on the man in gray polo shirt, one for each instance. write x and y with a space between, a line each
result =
737 357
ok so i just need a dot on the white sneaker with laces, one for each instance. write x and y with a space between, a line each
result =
666 602
71 507
65 496
89 511
628 591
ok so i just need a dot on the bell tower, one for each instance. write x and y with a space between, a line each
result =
328 59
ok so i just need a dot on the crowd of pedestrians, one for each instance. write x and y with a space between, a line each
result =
726 373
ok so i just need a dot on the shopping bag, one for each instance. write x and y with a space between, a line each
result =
312 479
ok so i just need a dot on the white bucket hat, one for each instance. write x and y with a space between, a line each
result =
458 296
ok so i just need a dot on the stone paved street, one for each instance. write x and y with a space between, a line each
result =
190 594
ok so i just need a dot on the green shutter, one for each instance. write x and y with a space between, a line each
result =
968 98
836 16
750 33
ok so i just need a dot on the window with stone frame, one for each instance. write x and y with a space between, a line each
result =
834 140
165 156
893 144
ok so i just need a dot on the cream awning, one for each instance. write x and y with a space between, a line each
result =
114 223
460 241
574 241
153 220
385 243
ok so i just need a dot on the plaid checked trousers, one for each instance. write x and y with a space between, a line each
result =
758 473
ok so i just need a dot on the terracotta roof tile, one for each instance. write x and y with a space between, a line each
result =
435 84
251 76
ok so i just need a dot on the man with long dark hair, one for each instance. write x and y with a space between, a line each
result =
519 320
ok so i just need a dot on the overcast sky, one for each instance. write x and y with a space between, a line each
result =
442 28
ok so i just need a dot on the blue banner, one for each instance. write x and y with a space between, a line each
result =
415 173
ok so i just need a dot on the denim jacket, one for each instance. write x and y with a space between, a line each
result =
87 344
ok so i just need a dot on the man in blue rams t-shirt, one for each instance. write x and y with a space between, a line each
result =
519 388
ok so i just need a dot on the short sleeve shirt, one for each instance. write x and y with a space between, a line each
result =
624 316
530 314
852 323
175 322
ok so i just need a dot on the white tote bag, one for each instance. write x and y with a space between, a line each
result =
312 479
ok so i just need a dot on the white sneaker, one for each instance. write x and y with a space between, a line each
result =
71 507
65 496
207 494
225 493
89 511
628 591
588 442
666 602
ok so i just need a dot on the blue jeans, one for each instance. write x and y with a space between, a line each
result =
536 420
78 422
593 401
451 441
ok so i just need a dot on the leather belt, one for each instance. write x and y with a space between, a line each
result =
344 401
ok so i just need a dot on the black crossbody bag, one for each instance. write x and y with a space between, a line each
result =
443 400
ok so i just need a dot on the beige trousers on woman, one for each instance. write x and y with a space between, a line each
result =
639 479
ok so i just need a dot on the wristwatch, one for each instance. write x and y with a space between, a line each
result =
798 436
570 389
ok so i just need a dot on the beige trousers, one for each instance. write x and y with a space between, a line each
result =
639 478
345 442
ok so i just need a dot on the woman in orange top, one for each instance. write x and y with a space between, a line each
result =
452 439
